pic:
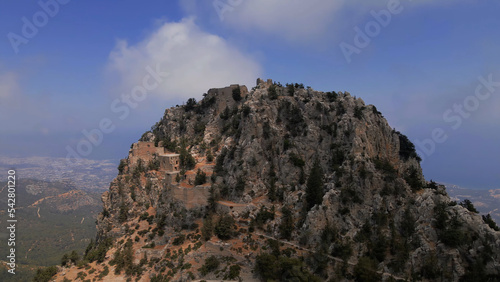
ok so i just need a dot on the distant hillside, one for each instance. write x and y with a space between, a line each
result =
53 218
485 201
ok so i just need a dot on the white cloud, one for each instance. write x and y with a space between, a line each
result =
194 59
294 20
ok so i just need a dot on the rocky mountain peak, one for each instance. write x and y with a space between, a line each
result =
283 183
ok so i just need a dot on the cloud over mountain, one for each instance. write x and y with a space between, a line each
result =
195 60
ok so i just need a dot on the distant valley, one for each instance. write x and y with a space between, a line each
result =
54 218
485 201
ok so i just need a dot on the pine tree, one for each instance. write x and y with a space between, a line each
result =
314 189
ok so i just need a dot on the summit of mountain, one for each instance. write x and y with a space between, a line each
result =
281 183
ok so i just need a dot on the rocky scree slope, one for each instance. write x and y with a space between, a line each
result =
322 173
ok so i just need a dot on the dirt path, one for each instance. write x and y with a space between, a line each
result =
231 204
32 246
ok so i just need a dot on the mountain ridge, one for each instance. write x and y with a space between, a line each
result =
321 170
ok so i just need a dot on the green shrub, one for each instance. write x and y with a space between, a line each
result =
430 269
123 214
123 259
338 158
45 274
74 257
314 188
168 144
349 195
210 265
121 166
375 111
206 103
364 233
290 89
104 273
225 227
340 111
81 275
144 216
342 250
366 269
234 272
266 266
219 162
64 260
299 85
358 112
406 147
266 130
97 252
452 235
413 179
282 268
272 92
466 203
332 96
226 114
432 185
491 223
296 160
187 161
407 224
210 157
237 94
179 240
271 194
263 215
246 110
190 104
201 177
139 168
199 127
240 185
286 144
154 164
385 167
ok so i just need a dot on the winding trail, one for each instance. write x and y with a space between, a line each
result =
32 246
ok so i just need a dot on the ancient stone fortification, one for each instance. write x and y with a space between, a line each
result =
169 162
147 152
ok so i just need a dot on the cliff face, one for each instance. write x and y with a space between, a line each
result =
322 173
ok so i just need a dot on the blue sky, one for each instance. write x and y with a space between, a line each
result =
418 65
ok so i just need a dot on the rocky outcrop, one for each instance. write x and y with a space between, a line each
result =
319 170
